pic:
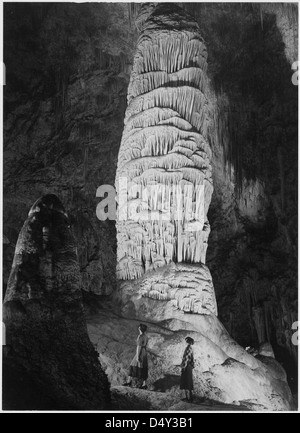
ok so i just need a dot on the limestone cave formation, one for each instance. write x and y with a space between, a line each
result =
165 158
47 344
191 107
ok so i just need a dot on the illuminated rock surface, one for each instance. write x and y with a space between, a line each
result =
164 150
165 143
224 372
164 147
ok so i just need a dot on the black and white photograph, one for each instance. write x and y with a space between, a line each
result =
149 210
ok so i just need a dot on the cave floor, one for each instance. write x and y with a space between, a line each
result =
127 398
113 337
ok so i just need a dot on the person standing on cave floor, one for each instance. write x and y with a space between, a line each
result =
139 364
187 365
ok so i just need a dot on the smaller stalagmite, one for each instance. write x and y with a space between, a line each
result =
46 333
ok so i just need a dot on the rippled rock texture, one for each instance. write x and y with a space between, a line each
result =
164 159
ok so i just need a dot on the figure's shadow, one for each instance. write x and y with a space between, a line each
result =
166 383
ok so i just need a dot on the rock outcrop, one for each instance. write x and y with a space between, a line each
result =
46 334
165 144
224 372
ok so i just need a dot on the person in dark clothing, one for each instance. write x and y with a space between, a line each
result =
187 365
139 364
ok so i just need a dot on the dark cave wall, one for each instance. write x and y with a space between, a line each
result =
255 269
67 72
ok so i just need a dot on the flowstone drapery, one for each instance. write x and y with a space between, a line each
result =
164 179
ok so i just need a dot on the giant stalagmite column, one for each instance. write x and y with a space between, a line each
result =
164 187
164 165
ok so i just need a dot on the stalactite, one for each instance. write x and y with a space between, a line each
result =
281 171
260 325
